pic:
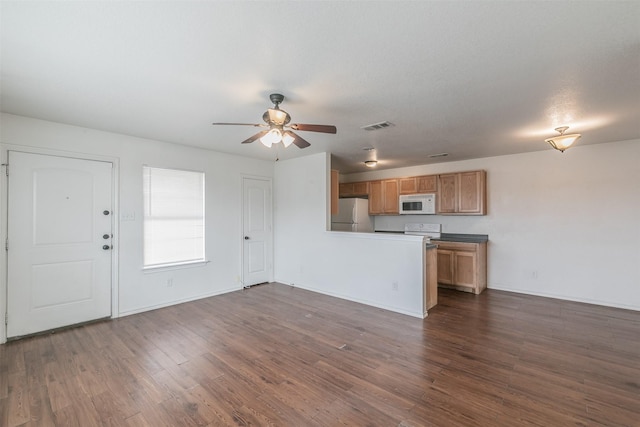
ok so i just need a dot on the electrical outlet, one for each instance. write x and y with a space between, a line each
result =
394 285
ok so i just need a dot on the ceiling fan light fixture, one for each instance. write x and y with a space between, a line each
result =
562 141
287 139
371 163
272 137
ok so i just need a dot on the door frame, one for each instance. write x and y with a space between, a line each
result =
4 214
241 225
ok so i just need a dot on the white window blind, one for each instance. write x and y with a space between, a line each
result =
173 216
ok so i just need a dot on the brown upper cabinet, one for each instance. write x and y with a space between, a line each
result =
462 193
427 183
354 189
383 197
418 184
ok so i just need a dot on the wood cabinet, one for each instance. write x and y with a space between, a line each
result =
418 184
462 193
462 266
408 185
354 189
427 184
430 290
383 197
334 192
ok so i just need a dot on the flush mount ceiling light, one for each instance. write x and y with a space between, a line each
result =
371 163
562 141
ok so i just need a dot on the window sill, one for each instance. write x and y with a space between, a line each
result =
175 266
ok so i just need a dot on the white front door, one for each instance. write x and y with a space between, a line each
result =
59 242
257 232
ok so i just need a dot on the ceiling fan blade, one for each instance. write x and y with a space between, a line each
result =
314 128
241 124
299 142
254 137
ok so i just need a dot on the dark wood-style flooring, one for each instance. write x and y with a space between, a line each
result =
276 355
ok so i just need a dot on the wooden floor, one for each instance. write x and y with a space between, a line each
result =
276 355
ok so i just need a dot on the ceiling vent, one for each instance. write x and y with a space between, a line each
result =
376 126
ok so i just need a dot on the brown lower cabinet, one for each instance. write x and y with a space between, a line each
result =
462 266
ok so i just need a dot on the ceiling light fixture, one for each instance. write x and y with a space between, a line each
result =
371 163
275 136
562 142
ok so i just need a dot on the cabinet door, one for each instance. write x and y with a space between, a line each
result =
376 201
345 189
427 184
465 269
390 194
361 188
447 185
445 266
471 192
408 186
334 192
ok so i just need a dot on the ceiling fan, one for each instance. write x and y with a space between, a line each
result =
279 129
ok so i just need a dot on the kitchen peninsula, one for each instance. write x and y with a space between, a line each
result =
406 269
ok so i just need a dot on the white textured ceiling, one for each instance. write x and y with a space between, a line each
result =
469 78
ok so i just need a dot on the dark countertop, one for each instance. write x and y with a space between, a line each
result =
450 237
462 238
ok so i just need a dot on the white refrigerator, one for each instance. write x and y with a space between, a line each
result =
353 215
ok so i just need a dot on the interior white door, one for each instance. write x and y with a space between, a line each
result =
59 242
257 231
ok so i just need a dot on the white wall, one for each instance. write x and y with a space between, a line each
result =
360 267
565 225
139 291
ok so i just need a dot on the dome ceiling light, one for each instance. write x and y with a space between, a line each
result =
562 141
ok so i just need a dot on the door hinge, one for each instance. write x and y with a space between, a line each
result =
6 318
6 168
6 244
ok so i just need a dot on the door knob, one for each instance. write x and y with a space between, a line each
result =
106 247
105 236
246 237
106 212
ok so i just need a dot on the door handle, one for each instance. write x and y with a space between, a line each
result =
106 247
105 236
246 237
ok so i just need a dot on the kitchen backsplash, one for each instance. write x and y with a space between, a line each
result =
450 224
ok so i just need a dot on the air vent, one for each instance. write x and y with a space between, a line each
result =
438 155
377 126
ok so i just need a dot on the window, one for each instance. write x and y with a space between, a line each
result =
173 217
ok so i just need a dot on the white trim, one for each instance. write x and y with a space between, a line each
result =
4 213
564 297
175 302
174 266
417 314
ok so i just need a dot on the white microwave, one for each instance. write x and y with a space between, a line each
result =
417 204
